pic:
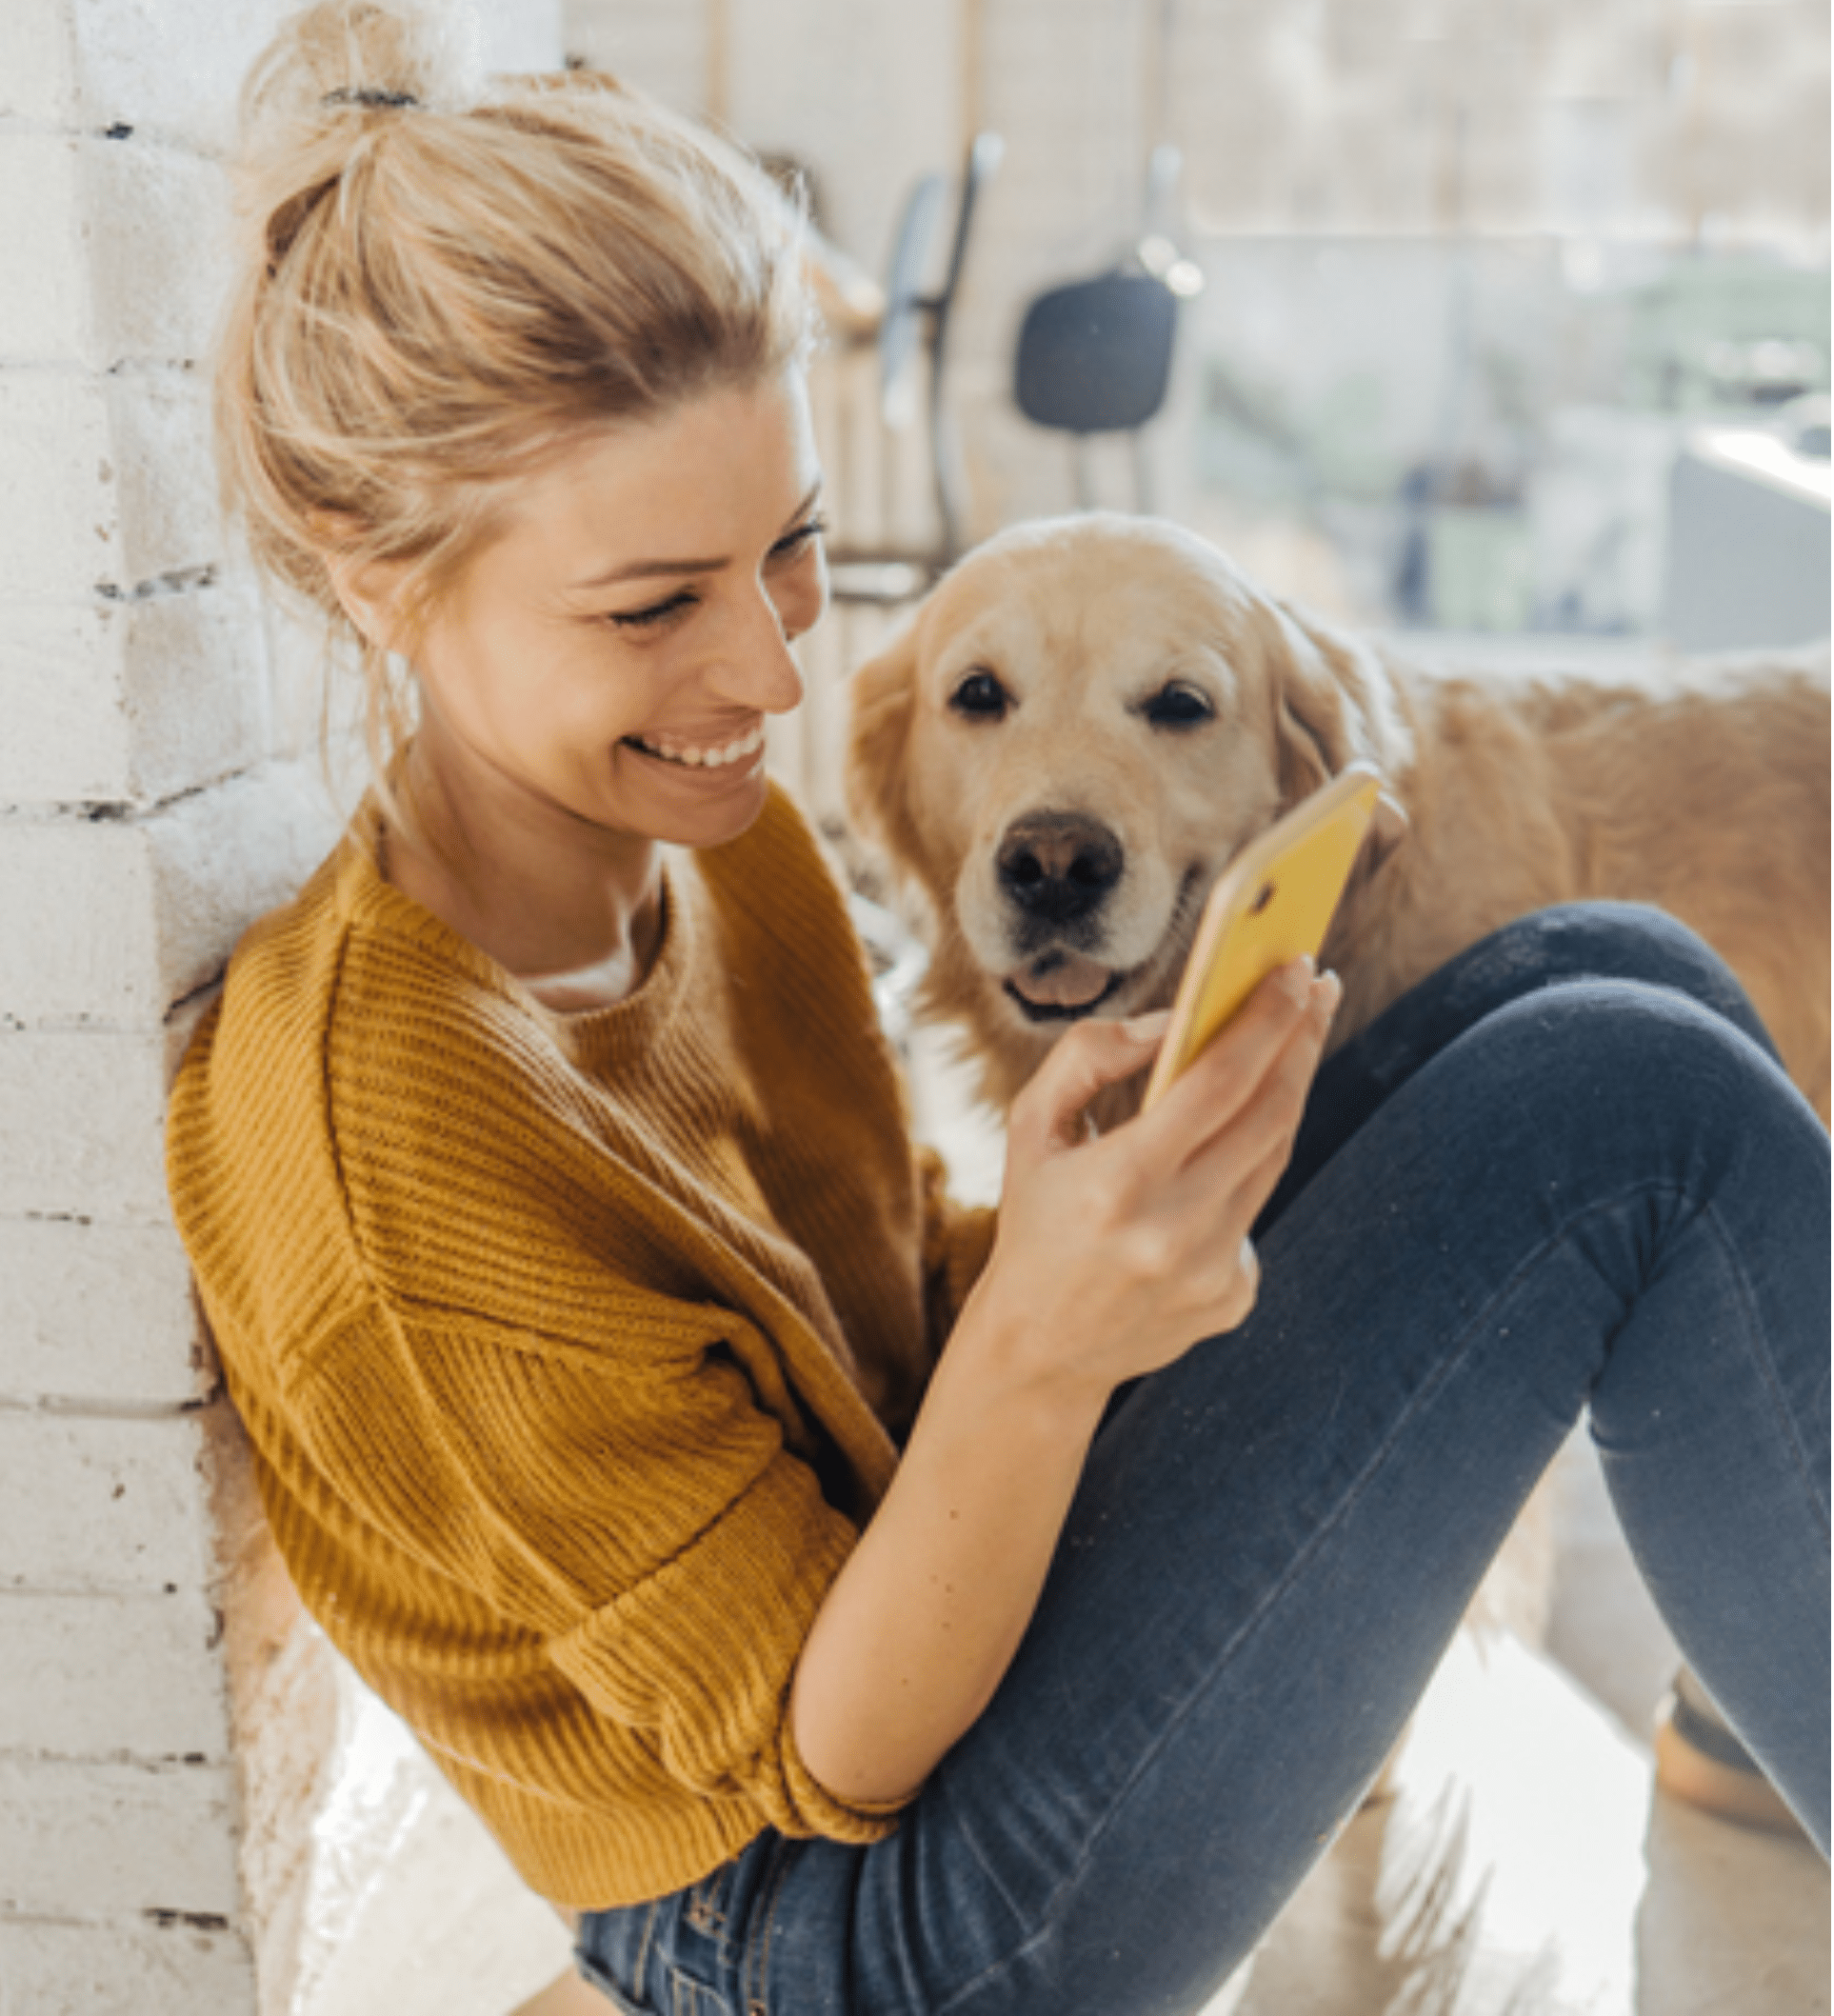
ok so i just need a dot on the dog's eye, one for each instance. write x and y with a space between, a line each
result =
982 696
1178 706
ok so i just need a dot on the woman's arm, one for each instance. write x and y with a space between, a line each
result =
1112 1258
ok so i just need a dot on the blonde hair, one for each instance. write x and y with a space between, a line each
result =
442 284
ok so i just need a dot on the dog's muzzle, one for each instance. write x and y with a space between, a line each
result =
1055 872
1058 868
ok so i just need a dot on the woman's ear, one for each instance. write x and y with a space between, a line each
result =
882 701
368 593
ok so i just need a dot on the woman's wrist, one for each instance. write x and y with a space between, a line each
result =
1018 1369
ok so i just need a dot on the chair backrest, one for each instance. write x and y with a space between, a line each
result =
901 327
984 155
986 151
1095 357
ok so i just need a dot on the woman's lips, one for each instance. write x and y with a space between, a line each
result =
735 762
683 754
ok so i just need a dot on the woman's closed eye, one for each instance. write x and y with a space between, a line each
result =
792 545
655 612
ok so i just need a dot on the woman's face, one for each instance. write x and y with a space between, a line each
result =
603 668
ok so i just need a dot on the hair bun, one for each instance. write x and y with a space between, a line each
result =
361 53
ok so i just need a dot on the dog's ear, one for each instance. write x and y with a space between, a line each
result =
1313 725
1334 702
882 701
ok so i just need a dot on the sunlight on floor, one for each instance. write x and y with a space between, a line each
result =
1525 1865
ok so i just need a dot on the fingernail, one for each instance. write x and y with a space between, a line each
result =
1146 1029
1329 993
1296 979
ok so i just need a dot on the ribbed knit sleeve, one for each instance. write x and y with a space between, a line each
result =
634 1515
573 1351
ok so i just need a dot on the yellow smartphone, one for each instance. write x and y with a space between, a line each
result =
1273 902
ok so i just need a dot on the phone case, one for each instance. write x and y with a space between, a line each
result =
1273 902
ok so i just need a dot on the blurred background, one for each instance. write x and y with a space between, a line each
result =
1503 319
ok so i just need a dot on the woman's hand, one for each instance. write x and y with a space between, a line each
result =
1114 1255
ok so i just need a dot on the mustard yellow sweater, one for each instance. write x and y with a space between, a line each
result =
573 1350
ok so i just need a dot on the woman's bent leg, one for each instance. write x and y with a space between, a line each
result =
1551 948
1601 1193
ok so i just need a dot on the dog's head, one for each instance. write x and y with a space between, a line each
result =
1081 724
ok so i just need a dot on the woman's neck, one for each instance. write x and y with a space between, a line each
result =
574 912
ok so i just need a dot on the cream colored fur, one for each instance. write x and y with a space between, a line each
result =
1704 789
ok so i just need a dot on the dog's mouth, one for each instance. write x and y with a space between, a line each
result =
1062 987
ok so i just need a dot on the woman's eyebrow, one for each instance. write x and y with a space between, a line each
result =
645 570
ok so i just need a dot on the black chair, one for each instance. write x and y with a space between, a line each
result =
1094 356
915 327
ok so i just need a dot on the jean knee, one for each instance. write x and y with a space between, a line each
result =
1639 1053
1608 940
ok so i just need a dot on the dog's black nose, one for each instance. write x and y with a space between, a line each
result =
1058 865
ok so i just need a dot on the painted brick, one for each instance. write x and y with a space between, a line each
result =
521 34
222 857
128 702
58 506
161 245
125 1966
37 61
173 68
158 902
108 483
45 307
89 1504
196 689
125 244
82 1113
299 675
170 67
120 1837
98 1313
62 676
169 520
113 1677
80 943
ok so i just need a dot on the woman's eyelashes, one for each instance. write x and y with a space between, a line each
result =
657 611
792 545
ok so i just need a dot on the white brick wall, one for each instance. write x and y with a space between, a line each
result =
138 836
166 1720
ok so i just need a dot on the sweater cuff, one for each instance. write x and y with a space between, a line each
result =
850 1820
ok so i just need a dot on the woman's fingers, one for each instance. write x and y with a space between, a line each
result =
1224 1081
1048 1114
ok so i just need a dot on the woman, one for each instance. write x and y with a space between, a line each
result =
546 1179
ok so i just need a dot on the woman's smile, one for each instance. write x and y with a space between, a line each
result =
735 755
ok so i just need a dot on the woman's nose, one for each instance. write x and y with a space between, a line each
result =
759 669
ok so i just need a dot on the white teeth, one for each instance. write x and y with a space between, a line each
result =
706 758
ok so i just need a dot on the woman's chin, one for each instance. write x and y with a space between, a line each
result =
701 805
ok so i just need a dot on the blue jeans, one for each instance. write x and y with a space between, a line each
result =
1563 1173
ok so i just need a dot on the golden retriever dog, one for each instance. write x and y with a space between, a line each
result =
1089 716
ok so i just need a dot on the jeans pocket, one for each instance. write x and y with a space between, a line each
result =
612 1951
591 1970
688 1997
